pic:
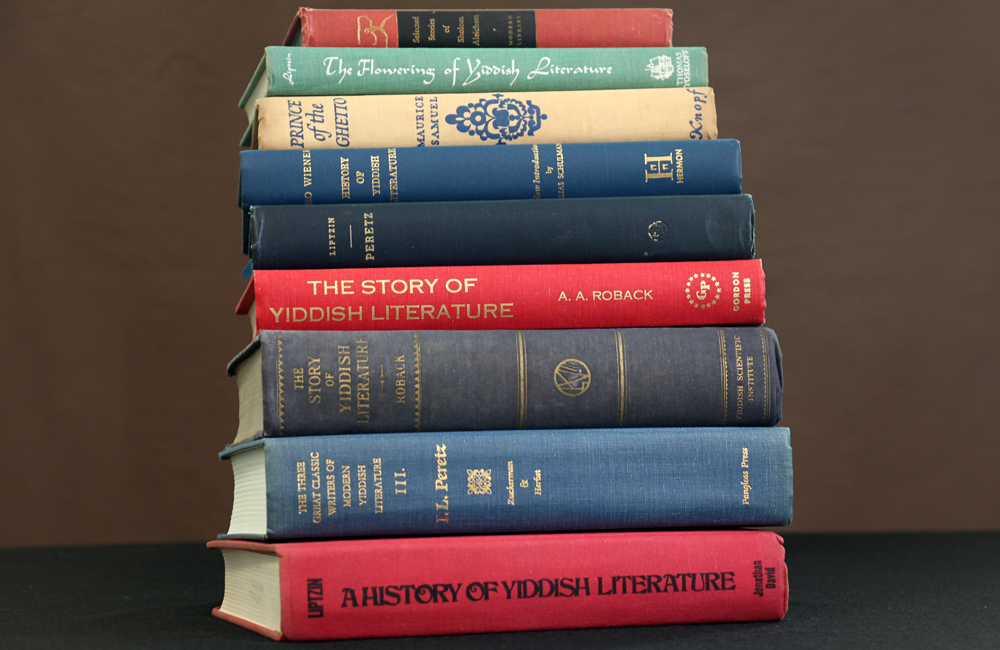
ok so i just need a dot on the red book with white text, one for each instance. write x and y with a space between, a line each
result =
481 28
346 589
542 296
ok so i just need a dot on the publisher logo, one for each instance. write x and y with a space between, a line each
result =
702 290
367 28
657 231
314 597
572 377
661 167
661 67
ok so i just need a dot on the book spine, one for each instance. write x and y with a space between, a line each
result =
316 383
446 483
542 296
465 233
538 171
295 71
627 27
478 119
539 28
403 587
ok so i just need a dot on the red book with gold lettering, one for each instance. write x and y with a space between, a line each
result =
482 28
542 296
347 589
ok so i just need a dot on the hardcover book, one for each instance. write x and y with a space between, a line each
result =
466 233
478 28
369 121
471 482
313 383
502 583
292 71
540 296
537 171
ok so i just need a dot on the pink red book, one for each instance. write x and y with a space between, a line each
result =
477 28
347 589
541 296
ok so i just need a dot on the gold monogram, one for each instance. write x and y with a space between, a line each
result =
702 290
572 377
374 29
659 166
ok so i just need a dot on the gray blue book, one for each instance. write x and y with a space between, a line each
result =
446 483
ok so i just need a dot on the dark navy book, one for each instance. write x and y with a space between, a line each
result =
440 483
302 383
475 173
524 231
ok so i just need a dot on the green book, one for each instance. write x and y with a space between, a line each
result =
294 71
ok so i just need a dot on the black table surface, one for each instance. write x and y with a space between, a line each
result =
935 590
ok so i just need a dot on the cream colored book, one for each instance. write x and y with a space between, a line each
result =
372 121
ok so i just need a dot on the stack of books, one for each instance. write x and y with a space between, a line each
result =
507 335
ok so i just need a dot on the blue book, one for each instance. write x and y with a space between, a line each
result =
540 171
463 233
445 483
307 383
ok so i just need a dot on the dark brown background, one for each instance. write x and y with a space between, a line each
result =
870 139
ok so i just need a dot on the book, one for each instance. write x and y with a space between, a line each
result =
539 296
314 383
525 231
293 71
472 482
478 28
537 171
469 173
369 121
502 583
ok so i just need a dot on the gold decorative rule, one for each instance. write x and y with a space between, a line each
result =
281 385
417 379
622 379
522 380
765 354
724 363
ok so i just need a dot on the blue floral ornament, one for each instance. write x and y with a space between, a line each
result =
499 118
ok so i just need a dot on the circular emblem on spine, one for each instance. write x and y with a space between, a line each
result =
702 290
572 377
657 230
